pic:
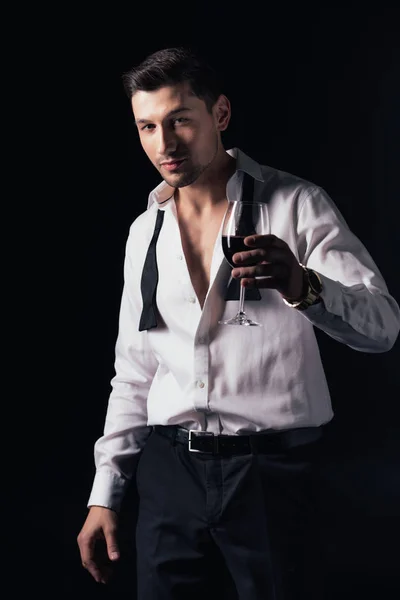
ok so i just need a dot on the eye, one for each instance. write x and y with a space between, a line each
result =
180 120
147 127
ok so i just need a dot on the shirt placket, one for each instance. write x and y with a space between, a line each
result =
201 345
201 375
200 371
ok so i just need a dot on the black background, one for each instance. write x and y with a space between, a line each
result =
314 91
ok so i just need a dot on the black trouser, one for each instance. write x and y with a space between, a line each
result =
249 515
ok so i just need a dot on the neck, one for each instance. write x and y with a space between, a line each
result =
209 190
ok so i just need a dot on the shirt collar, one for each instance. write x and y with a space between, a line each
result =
164 192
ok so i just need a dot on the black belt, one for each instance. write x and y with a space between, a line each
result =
208 443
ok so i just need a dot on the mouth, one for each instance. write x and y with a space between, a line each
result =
173 165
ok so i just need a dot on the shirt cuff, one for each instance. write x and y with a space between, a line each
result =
332 301
331 294
108 490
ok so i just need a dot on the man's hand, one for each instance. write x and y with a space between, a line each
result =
271 258
97 542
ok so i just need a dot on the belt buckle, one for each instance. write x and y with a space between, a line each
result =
193 433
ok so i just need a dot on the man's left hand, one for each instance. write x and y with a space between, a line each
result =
271 259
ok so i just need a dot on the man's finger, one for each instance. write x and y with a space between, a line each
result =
270 254
86 547
87 544
94 570
264 241
271 283
112 545
277 270
249 256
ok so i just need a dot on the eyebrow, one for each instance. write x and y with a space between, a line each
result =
170 114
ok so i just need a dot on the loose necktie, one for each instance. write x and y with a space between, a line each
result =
149 281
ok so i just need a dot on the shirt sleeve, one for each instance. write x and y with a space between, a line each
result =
357 308
125 429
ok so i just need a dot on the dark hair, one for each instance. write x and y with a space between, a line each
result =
171 66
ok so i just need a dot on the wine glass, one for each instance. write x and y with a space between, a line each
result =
241 220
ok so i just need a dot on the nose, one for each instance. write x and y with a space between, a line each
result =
167 141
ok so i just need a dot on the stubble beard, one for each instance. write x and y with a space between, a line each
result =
190 176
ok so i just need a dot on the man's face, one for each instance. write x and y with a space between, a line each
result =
178 134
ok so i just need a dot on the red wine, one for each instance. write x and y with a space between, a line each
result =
232 244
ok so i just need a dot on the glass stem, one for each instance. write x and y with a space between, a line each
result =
241 299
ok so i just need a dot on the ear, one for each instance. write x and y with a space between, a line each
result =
222 112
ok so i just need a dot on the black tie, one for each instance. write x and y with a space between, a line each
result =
149 280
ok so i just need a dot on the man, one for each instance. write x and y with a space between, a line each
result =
226 420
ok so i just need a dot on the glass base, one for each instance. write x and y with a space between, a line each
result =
241 319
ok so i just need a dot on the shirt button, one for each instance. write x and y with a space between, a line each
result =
201 384
179 257
192 300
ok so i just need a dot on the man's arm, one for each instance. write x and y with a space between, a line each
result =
357 308
125 429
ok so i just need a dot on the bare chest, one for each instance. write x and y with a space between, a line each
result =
198 241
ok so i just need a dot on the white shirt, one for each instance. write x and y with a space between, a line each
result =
233 380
